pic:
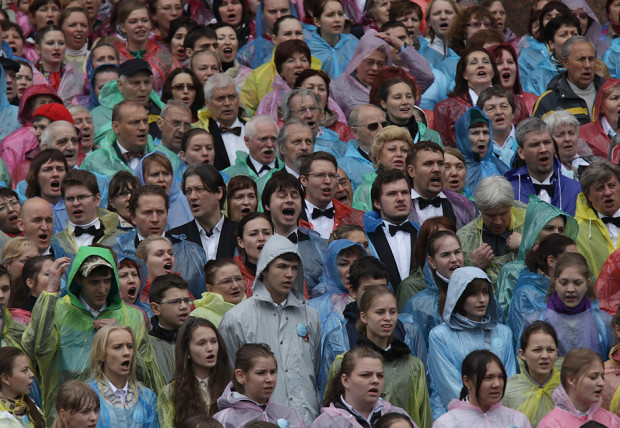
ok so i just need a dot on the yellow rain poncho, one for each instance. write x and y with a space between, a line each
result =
533 401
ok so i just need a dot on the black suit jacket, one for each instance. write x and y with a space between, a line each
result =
221 160
189 232
384 251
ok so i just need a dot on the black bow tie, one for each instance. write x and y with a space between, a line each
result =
613 220
264 168
293 237
405 227
436 202
550 188
90 230
328 212
234 130
209 233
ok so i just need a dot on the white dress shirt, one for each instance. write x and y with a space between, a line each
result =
84 240
323 225
543 195
120 393
94 312
133 164
612 228
234 143
428 212
209 244
291 171
400 244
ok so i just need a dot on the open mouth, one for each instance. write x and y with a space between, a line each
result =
326 191
260 247
194 206
506 75
544 160
126 364
78 212
56 55
140 33
482 73
398 164
481 148
386 327
342 197
55 185
183 316
453 268
454 182
44 237
13 218
435 180
132 292
311 123
374 391
168 267
228 51
211 358
245 210
444 25
288 213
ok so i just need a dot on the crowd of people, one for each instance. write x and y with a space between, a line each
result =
309 213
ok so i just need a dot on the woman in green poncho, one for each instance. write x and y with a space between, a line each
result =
530 391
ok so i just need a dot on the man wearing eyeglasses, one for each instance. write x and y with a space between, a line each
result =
87 224
175 120
365 121
170 303
319 176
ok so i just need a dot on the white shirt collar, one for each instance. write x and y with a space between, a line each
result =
258 165
216 228
236 123
119 392
96 222
291 171
607 127
415 195
545 181
616 214
474 96
377 407
310 206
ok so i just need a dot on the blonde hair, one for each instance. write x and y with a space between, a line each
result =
389 133
97 354
144 247
15 248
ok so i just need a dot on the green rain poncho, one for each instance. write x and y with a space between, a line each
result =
470 236
61 330
537 215
533 401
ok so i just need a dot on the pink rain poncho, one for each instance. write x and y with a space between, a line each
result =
464 414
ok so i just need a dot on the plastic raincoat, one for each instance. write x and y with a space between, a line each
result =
109 220
471 238
594 30
537 215
477 168
612 59
612 379
236 410
349 92
21 146
105 160
333 417
312 252
336 58
589 329
361 196
212 307
293 332
178 211
593 132
143 414
8 112
256 52
241 167
411 286
462 413
565 415
531 399
529 60
61 330
593 240
449 343
405 380
606 286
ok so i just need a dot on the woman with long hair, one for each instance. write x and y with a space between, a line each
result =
125 402
183 85
252 232
228 45
202 371
119 192
16 407
77 405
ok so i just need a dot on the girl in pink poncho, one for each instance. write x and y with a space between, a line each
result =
248 397
480 406
578 399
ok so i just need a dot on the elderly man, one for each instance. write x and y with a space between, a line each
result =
542 173
365 121
174 121
84 122
492 239
222 118
499 105
126 145
261 133
574 89
598 213
305 105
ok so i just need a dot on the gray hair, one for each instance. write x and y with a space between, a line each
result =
559 118
567 46
283 134
250 126
218 81
597 172
354 117
298 92
76 108
174 103
46 136
494 192
531 124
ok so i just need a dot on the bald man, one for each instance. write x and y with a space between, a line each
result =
36 221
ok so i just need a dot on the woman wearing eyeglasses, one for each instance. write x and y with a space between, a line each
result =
183 85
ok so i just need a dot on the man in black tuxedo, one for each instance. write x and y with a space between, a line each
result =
206 193
225 125
387 227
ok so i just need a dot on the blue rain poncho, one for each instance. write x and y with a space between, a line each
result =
330 282
328 141
537 215
143 414
477 168
312 252
529 59
61 330
452 341
528 296
336 58
8 112
178 211
355 165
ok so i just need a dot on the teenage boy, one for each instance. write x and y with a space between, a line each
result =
170 303
61 329
277 314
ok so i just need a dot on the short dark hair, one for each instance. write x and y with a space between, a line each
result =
366 267
495 91
475 366
306 163
286 49
187 136
181 22
80 177
196 33
386 177
148 190
287 257
5 192
44 156
429 146
475 286
210 177
554 25
163 283
122 181
400 8
280 180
